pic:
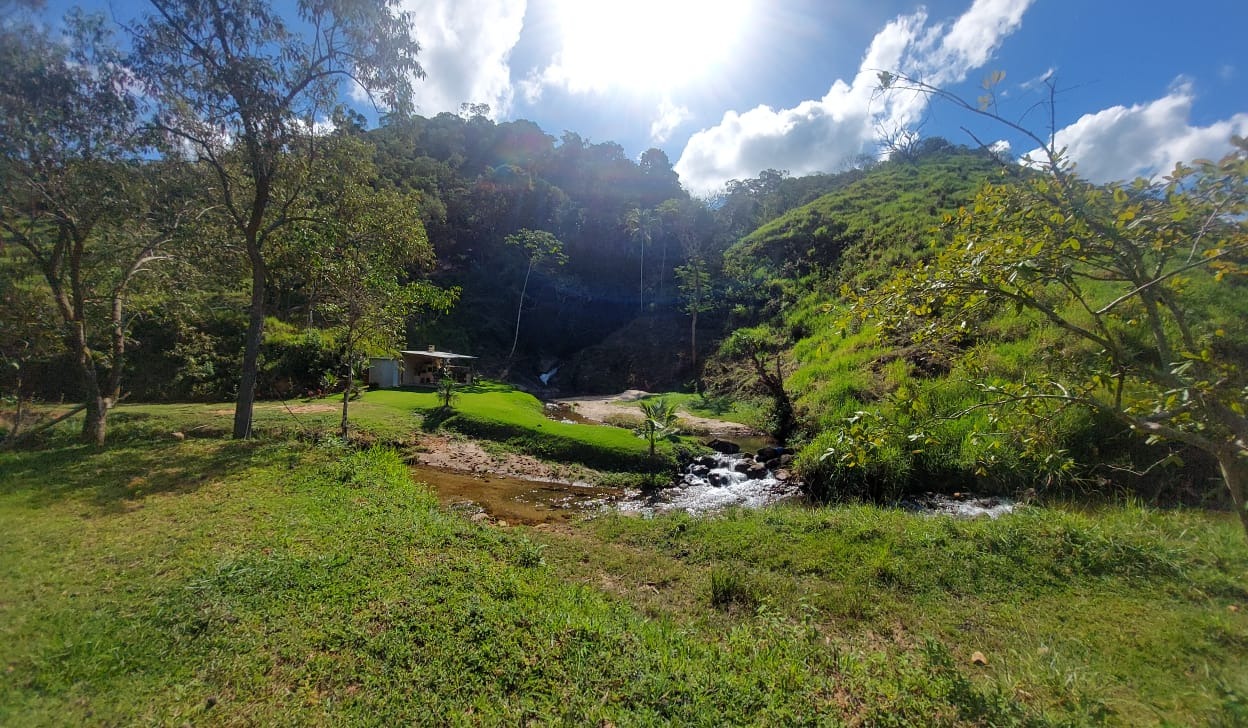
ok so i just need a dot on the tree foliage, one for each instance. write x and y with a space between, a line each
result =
84 212
241 89
1130 275
658 422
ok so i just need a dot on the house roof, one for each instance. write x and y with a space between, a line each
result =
438 354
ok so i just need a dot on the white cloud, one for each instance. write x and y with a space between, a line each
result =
669 117
826 134
1146 140
465 49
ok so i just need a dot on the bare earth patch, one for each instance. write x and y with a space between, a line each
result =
441 451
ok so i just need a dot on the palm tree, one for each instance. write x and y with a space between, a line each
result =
641 225
659 422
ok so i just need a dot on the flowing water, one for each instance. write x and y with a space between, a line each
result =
517 500
717 485
710 484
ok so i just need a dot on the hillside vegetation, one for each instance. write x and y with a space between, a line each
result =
884 412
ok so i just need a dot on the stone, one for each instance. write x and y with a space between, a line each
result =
756 471
977 658
743 466
717 479
723 446
773 464
179 436
480 517
769 453
782 475
786 460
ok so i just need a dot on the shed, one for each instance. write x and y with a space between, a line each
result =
420 368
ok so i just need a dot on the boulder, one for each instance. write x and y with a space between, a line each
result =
718 479
786 460
724 446
773 464
769 453
756 471
743 466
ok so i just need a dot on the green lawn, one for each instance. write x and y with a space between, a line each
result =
487 410
285 582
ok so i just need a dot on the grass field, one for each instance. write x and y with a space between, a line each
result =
285 582
487 410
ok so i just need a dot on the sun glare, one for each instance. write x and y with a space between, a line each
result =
648 44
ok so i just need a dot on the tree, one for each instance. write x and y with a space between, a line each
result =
763 349
446 391
695 288
659 421
538 246
1139 279
640 225
237 87
362 244
77 201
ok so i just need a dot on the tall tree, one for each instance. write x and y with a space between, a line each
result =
76 200
539 246
695 288
237 87
640 225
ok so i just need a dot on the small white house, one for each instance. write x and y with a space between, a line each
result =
416 368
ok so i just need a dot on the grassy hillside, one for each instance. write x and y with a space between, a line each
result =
857 233
885 414
289 583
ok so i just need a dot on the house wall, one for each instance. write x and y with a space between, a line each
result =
384 372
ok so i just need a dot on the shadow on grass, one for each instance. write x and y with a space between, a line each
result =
432 419
121 472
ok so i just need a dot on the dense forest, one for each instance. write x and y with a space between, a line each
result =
157 255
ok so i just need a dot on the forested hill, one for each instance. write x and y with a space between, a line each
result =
626 227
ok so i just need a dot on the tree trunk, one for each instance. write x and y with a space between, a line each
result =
94 426
346 397
1234 469
251 352
693 341
520 309
641 289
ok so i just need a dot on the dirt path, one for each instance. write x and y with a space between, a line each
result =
604 409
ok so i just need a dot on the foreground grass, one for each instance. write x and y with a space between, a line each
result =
213 582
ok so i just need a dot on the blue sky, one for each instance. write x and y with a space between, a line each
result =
730 87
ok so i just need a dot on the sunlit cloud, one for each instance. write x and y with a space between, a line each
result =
1147 140
829 133
669 116
465 50
639 45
